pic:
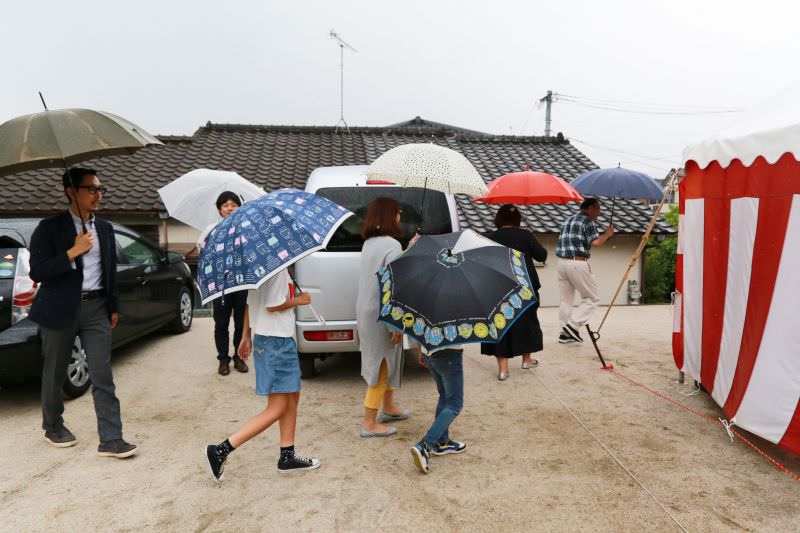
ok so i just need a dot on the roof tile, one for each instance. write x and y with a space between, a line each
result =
284 156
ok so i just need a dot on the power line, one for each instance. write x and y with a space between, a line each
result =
534 105
624 152
644 111
609 101
634 154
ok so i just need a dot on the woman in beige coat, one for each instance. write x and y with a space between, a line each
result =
381 349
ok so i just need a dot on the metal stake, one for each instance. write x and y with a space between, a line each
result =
595 336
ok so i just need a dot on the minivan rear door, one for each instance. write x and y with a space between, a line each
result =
331 276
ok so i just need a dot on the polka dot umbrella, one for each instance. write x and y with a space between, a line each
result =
428 166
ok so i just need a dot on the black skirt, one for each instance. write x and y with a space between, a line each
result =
525 336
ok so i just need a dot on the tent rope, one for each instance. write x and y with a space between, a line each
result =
614 457
728 425
719 422
694 392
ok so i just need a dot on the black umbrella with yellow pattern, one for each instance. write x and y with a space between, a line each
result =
453 289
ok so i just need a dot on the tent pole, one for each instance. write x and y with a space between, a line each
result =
642 244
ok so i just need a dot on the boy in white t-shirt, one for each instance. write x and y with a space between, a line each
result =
270 317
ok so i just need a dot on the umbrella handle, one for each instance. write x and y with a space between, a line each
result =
422 207
613 205
74 188
320 318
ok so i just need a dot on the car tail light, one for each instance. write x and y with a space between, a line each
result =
380 182
24 288
330 335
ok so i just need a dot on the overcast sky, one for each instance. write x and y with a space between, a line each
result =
171 66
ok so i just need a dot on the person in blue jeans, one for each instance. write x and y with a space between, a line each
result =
447 368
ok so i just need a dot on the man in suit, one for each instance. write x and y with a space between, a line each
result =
73 257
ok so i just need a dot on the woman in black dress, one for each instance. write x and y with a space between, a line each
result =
525 335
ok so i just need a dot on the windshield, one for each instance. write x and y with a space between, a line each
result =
434 219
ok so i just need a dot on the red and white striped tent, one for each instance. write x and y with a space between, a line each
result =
737 309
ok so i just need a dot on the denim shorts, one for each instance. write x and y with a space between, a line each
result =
277 365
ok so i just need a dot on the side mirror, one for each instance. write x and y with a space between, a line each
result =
173 258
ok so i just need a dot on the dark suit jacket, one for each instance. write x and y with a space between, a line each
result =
58 299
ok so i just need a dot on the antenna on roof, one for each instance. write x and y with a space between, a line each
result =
342 45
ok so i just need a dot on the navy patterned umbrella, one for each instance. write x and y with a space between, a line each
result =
263 237
455 288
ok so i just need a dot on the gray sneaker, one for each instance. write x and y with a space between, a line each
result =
116 448
60 437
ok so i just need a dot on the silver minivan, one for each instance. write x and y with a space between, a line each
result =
331 275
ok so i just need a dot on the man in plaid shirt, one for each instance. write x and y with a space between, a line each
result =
578 236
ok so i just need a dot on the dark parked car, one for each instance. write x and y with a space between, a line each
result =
156 290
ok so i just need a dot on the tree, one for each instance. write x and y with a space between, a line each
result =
659 263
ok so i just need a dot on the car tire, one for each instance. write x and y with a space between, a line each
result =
183 320
78 381
308 368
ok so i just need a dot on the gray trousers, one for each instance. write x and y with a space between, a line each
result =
94 328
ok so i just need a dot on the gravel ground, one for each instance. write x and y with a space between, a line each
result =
529 464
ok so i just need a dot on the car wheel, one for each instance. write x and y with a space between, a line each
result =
308 368
183 320
77 382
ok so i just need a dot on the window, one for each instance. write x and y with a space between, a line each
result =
434 219
132 251
148 231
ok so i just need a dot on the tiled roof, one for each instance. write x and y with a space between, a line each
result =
284 156
420 123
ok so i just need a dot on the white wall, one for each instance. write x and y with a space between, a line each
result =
608 263
180 233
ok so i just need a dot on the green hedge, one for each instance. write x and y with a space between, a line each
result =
659 264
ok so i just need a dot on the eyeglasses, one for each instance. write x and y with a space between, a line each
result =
93 190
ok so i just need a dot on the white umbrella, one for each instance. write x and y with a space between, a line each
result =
428 166
191 198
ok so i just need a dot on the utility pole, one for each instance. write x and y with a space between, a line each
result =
342 45
548 99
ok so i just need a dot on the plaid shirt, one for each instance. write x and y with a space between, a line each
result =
577 234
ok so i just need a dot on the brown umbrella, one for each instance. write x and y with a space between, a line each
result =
64 137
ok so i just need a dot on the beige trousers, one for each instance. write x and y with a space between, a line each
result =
576 276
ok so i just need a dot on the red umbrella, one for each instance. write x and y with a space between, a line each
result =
530 187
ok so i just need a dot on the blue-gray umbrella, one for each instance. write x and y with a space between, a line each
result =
618 183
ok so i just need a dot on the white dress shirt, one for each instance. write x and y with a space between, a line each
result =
92 261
